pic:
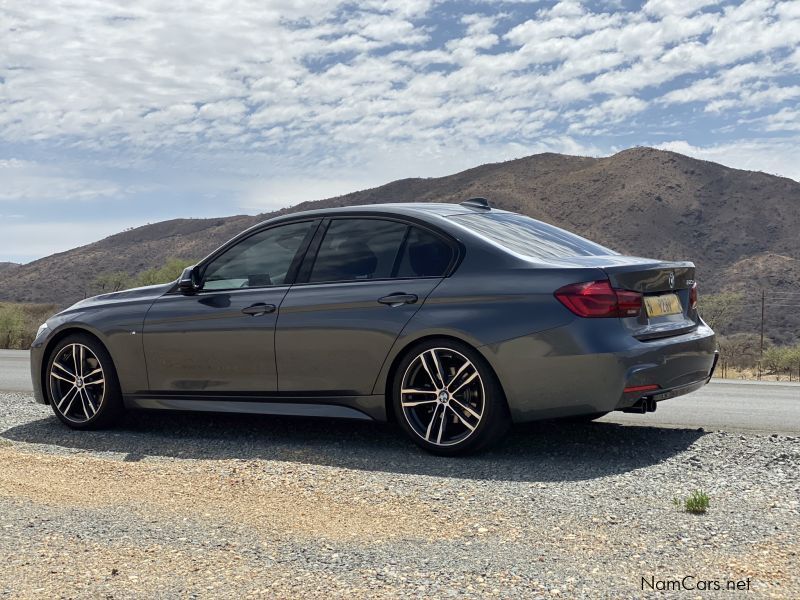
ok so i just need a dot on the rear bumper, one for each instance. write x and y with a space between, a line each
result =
585 367
664 377
647 401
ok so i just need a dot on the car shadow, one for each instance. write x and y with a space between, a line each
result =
542 451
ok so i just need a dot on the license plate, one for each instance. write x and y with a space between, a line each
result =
665 304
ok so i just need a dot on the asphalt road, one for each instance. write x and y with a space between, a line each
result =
729 405
15 372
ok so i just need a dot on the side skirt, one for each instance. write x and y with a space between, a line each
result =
364 408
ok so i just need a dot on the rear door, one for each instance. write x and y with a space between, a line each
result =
220 340
362 281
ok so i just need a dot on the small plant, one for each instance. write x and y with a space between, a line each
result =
695 503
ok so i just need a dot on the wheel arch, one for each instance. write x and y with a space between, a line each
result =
402 352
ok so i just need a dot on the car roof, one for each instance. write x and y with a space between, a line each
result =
419 209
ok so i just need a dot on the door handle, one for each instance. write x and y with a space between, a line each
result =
259 309
398 299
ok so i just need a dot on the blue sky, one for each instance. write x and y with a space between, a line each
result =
116 114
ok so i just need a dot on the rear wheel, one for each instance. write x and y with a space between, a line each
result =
448 400
82 384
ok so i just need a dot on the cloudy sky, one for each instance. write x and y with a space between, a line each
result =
115 114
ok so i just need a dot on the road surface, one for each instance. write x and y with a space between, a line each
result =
729 404
15 371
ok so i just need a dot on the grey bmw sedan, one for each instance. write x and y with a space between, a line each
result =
453 320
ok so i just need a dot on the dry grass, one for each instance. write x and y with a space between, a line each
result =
19 322
752 375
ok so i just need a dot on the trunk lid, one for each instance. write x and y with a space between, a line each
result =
656 280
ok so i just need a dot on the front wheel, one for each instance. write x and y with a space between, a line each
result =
448 400
82 384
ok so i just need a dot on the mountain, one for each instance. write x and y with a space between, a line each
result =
7 265
739 227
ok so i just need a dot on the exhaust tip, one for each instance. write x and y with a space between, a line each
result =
651 404
639 407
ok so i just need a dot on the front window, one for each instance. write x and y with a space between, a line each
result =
529 237
263 259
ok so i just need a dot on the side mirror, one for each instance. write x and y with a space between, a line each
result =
189 283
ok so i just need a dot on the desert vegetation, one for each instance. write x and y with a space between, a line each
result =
744 354
696 503
18 322
120 280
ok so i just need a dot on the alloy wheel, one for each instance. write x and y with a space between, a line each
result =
77 383
442 396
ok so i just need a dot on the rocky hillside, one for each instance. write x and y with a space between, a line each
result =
740 227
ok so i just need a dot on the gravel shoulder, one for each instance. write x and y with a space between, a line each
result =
232 506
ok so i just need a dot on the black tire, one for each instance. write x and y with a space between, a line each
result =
494 421
586 418
102 409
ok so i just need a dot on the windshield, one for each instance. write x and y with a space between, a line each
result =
529 237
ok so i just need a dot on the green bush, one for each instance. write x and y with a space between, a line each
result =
696 503
169 272
782 359
115 281
720 310
19 322
12 326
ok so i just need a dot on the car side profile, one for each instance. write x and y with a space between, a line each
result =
454 320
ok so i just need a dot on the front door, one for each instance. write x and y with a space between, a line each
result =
368 279
221 340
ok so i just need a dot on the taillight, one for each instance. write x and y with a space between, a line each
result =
598 299
693 296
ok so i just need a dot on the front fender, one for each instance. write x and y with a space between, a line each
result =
118 327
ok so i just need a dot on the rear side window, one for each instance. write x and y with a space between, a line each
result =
365 249
529 237
424 255
358 249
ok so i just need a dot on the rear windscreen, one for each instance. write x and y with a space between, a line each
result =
529 237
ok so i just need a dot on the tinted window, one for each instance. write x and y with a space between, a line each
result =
260 260
355 249
424 255
529 237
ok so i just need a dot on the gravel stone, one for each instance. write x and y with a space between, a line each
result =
226 506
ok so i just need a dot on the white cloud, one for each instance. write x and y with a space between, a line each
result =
24 180
305 77
786 119
663 8
606 113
